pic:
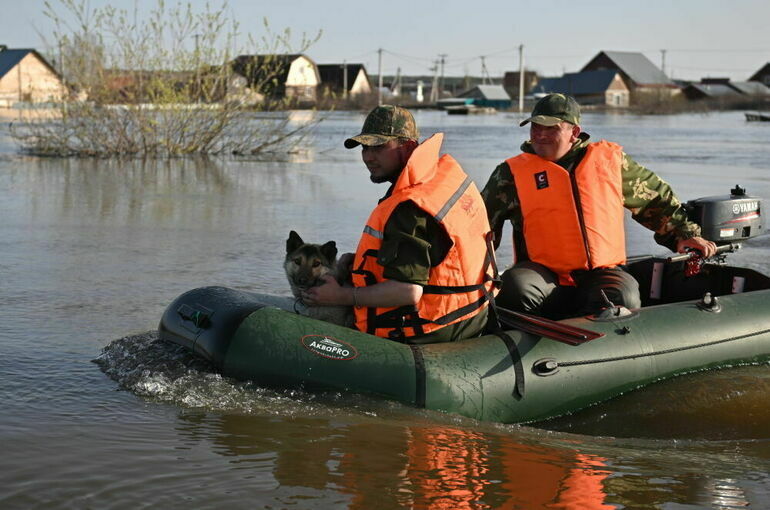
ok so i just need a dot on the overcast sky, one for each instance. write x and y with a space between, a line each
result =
700 37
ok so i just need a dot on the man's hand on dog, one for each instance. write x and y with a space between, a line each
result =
346 261
328 294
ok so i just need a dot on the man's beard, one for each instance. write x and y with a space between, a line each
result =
379 179
391 177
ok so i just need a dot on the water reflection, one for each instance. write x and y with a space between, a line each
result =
726 494
425 466
726 404
179 193
375 464
450 468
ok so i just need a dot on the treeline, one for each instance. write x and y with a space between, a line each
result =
160 85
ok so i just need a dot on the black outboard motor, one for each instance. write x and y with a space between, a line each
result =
728 219
725 220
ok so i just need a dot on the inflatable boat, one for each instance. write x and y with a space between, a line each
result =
696 315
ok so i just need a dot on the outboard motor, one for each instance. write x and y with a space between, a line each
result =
725 220
728 219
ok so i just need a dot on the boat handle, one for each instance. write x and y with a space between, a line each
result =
545 367
201 318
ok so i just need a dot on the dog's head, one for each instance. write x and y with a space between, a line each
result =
307 263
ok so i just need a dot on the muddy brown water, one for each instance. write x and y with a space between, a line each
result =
97 414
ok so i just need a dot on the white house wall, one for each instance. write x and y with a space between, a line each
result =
302 73
31 81
361 85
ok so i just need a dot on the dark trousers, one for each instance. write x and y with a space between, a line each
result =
533 288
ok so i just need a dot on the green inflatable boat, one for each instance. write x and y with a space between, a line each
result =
694 317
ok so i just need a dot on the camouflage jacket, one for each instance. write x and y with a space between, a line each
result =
650 199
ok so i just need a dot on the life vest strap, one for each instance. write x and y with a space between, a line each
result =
399 318
449 289
493 317
408 316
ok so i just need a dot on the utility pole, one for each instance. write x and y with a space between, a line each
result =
344 79
379 71
484 72
395 88
441 80
663 61
521 78
434 86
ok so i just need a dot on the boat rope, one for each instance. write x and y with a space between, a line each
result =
420 379
665 351
518 368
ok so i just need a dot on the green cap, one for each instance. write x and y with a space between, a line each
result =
385 123
554 108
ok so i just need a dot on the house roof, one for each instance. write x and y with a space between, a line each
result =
334 74
265 69
750 88
9 58
511 78
490 92
713 89
576 84
765 69
635 65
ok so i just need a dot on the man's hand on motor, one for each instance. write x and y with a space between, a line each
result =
707 248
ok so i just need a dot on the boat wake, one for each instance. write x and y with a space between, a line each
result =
717 405
165 372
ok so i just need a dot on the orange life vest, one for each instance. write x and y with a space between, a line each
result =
572 221
458 286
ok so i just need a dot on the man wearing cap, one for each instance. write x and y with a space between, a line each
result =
564 197
422 269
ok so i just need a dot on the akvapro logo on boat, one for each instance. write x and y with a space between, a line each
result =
329 347
745 207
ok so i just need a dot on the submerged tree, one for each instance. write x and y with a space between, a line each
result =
162 84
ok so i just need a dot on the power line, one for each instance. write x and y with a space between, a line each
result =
407 57
713 69
368 53
702 50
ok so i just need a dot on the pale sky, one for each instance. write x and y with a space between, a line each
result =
724 38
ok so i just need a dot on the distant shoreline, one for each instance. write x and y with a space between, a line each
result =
664 108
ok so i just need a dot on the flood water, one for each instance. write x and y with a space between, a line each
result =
97 414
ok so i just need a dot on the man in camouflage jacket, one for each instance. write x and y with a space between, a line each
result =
555 136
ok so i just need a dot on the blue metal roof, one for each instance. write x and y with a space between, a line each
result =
576 84
9 59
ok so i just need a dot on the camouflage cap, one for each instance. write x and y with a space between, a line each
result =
385 123
554 108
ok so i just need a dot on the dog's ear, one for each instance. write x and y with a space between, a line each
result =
293 242
329 250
